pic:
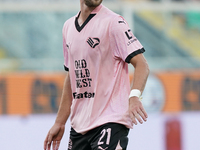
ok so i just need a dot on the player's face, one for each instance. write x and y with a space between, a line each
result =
92 3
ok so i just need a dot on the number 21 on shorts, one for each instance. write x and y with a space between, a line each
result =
105 134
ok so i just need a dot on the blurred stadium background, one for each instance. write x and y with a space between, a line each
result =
31 70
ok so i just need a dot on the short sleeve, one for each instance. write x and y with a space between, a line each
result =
124 44
65 51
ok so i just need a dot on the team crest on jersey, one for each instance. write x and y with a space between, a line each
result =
93 42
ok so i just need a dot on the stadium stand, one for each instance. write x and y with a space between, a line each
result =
33 37
173 28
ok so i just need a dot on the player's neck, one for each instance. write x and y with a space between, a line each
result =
85 12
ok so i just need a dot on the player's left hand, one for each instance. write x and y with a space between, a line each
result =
136 110
54 137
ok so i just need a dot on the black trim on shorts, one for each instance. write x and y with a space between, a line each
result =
66 69
78 27
128 58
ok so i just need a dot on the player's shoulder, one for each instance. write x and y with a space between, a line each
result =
69 21
108 13
113 17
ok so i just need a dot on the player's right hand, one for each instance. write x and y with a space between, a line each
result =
137 111
54 135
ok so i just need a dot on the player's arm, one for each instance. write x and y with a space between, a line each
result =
141 73
56 132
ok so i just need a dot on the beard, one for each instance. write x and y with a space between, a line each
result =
92 3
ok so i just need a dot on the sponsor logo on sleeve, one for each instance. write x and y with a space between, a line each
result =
129 35
122 22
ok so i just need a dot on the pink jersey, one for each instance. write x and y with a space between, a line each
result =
97 56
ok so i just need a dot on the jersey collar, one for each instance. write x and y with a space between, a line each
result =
93 13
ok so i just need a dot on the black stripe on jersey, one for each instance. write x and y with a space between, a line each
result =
66 69
90 42
128 58
78 27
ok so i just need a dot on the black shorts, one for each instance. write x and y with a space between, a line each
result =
110 136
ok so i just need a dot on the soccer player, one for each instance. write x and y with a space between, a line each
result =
98 45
